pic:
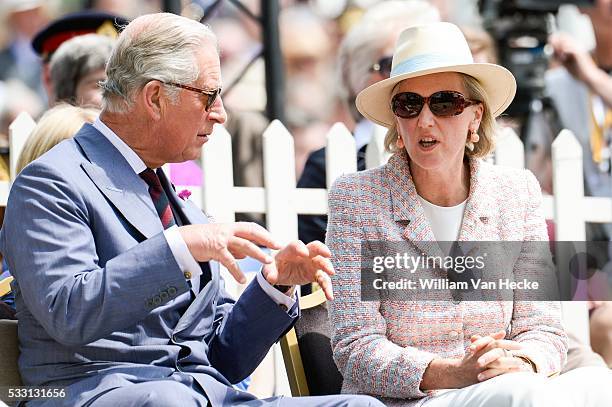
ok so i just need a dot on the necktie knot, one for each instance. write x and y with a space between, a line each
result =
150 177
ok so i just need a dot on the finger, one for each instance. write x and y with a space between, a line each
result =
300 248
293 250
490 373
495 335
507 363
500 347
480 343
270 273
240 246
230 263
491 356
504 344
324 264
325 283
317 248
499 334
256 234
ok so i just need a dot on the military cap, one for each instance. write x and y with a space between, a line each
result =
72 25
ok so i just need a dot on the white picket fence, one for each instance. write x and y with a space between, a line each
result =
281 201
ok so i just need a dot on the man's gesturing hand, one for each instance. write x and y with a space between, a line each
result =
298 263
226 242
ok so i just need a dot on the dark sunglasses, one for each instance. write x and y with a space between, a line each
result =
211 95
383 66
444 103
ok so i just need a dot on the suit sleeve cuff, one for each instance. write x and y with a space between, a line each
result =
274 294
181 253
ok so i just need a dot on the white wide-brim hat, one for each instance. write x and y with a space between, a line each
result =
428 49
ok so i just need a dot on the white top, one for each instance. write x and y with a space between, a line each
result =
178 247
445 221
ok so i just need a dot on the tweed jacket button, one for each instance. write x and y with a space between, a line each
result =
453 334
187 275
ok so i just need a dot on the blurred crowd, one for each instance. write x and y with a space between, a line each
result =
310 36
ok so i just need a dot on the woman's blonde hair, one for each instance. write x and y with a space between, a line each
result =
486 131
57 124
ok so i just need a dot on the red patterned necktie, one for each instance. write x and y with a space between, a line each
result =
159 197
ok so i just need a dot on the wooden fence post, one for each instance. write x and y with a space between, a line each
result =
340 154
568 186
375 151
19 131
279 182
218 176
509 149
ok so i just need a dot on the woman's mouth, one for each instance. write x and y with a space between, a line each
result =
427 142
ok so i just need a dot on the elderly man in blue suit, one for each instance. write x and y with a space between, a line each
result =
118 291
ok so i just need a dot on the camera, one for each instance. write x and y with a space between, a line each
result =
520 29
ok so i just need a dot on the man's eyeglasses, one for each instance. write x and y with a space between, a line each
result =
211 95
444 103
383 66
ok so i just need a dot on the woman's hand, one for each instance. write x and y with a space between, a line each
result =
485 358
495 356
459 373
479 354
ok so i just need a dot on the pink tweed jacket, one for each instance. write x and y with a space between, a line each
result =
382 348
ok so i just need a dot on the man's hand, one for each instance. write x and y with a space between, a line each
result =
298 264
574 58
580 64
227 242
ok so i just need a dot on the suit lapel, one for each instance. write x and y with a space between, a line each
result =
114 177
475 225
406 206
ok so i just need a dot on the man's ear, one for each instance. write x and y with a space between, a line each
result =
151 98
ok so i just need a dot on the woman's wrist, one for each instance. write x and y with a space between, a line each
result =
440 374
528 362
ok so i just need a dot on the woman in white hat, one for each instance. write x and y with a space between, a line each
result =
440 109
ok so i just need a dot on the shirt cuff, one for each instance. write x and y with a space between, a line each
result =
277 296
188 265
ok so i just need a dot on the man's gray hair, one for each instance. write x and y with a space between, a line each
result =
153 47
76 58
363 44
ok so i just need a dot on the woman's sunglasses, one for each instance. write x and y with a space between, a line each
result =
444 103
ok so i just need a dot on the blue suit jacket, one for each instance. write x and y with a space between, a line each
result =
100 298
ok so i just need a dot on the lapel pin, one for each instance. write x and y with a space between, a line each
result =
184 194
